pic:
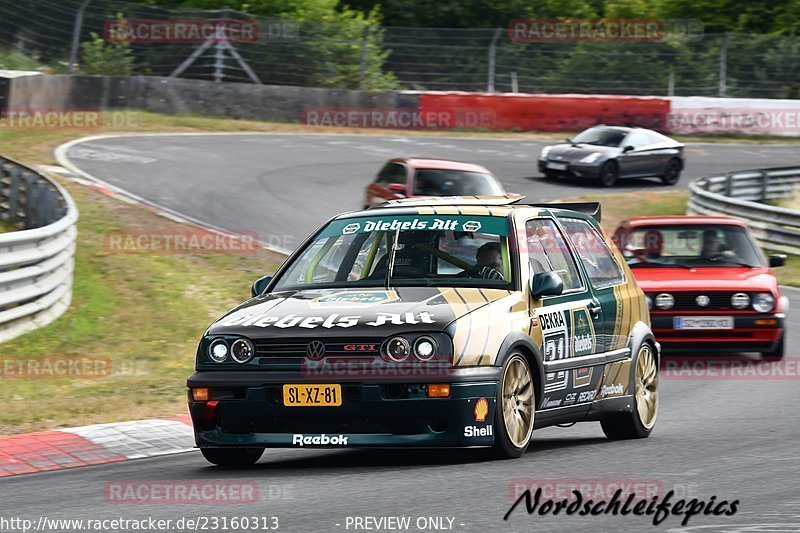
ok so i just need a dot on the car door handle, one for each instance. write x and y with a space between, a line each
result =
594 309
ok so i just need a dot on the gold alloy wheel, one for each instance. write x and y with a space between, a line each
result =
647 386
517 394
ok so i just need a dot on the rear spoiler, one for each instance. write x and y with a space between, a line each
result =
593 209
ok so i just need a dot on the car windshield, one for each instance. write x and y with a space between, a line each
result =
404 250
600 137
437 182
691 246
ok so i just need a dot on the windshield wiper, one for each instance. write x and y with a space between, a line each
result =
734 263
654 264
392 253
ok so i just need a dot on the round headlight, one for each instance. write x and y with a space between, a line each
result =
218 350
740 300
665 301
424 348
649 302
763 302
398 349
242 350
545 151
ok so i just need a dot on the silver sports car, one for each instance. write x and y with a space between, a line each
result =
608 153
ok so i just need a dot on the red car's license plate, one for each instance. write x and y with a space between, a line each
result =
703 322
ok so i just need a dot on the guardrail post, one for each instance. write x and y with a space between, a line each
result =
31 194
13 196
44 207
764 185
3 216
729 185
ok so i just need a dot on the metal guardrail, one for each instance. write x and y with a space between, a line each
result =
742 195
37 261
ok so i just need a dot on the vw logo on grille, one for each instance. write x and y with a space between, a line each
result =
315 349
702 300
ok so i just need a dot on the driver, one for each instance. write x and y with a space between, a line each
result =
711 245
489 261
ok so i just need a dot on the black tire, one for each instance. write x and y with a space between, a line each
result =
629 424
672 173
504 445
232 457
777 353
609 174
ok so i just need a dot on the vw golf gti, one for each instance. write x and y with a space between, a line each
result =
441 322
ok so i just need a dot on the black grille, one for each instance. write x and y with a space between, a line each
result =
296 348
720 301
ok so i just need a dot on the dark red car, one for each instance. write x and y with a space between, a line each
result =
708 284
409 177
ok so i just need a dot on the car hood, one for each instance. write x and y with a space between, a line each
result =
705 279
568 152
352 312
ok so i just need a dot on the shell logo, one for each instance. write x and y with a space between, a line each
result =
481 410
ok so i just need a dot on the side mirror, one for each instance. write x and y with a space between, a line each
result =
777 260
546 284
397 188
259 285
627 148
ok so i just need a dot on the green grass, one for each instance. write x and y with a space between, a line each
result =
618 207
5 227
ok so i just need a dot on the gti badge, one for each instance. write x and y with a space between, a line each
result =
702 300
315 349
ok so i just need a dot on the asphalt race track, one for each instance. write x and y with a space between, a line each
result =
284 186
733 439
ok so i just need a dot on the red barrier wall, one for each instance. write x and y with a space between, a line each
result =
544 112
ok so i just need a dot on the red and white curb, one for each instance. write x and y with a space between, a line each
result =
92 445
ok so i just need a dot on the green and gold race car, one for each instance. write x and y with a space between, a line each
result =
446 322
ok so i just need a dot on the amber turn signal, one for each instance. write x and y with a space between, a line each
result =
439 390
200 395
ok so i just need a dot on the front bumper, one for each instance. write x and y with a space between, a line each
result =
573 170
750 333
250 412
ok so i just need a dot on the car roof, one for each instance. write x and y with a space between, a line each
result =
673 220
502 205
624 129
441 164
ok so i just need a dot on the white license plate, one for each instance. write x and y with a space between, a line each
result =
703 322
557 166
